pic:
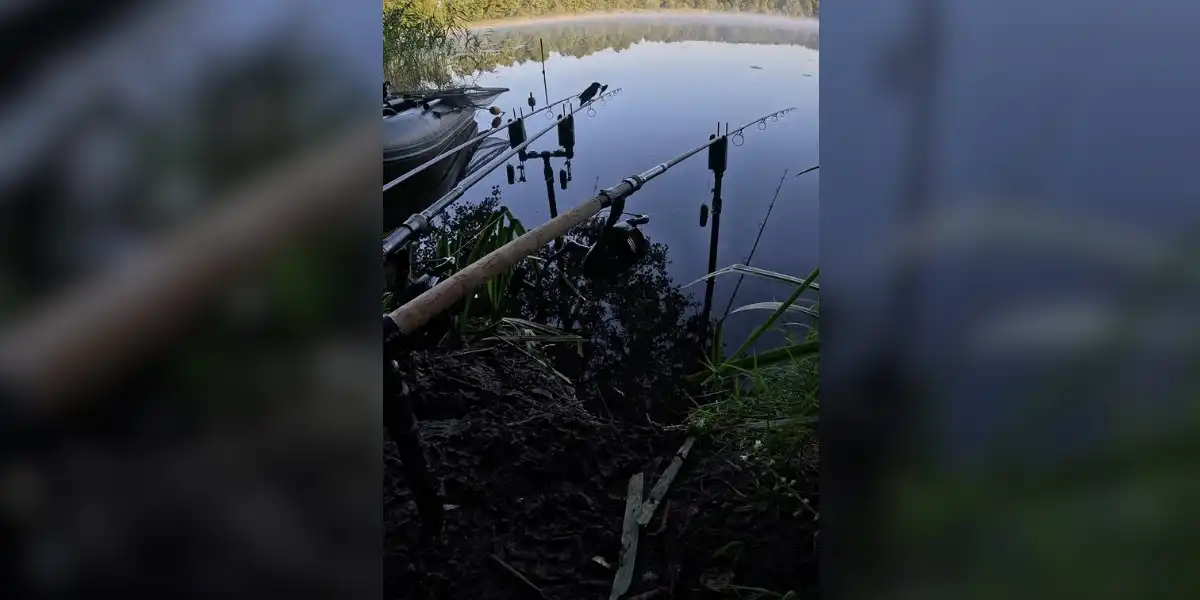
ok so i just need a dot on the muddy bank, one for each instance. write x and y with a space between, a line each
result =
536 481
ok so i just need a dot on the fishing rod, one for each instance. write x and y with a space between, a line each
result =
429 163
410 317
542 51
399 324
420 223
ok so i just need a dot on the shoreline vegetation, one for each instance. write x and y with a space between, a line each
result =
472 11
724 16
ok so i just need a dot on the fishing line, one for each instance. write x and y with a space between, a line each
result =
808 170
762 226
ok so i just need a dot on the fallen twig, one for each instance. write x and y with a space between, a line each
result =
664 482
629 539
519 576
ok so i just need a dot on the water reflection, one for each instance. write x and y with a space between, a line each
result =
681 75
643 333
581 37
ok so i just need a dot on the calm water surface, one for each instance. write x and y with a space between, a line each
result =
680 76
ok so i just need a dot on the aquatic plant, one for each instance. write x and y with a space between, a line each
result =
720 365
777 387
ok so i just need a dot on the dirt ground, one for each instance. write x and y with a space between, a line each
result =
535 482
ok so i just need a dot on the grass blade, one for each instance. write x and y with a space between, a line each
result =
718 345
522 323
757 272
769 358
766 326
775 306
544 339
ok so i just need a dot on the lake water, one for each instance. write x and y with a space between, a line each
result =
680 75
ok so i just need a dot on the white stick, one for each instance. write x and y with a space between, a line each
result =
629 539
664 481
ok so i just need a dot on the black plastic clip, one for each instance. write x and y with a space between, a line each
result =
516 133
566 133
718 154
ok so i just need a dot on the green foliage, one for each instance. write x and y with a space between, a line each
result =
478 230
766 325
421 40
775 306
765 404
757 272
767 415
482 10
789 353
737 361
492 302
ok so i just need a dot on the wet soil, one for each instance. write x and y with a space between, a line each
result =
536 483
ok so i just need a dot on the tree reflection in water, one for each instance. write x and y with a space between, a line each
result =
643 334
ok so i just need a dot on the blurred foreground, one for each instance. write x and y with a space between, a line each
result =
1011 340
188 325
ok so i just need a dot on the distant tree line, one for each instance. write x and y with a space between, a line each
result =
427 42
482 10
505 46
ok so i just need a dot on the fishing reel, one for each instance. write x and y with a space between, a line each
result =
407 281
429 275
619 247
